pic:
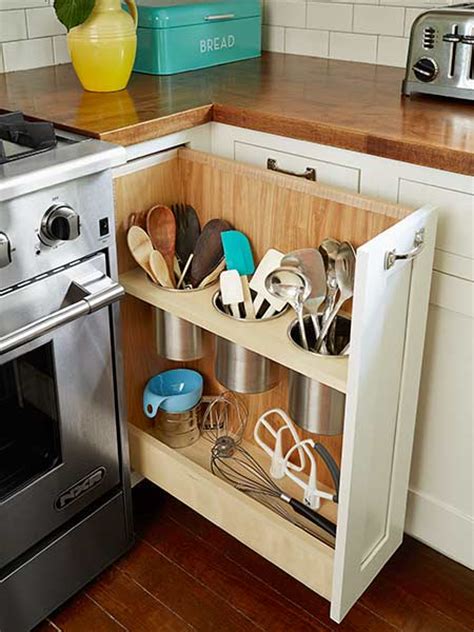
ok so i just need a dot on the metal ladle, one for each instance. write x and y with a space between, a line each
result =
329 248
310 262
294 287
345 274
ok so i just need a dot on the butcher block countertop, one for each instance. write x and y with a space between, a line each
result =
343 104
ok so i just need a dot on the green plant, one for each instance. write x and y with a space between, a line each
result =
73 12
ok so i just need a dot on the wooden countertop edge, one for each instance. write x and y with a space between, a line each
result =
425 155
301 129
434 156
148 130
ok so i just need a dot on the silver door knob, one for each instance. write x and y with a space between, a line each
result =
60 223
5 250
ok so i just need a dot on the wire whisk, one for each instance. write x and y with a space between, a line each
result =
225 416
238 467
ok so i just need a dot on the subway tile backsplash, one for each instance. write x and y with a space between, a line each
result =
374 31
30 35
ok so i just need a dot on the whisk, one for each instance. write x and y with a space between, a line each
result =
226 416
237 466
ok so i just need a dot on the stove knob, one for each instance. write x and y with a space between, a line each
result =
60 223
426 69
5 251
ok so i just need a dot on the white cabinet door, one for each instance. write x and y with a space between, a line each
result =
455 224
388 328
338 175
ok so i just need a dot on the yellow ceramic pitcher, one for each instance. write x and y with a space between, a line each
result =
103 48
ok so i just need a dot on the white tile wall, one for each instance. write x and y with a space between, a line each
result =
373 31
30 35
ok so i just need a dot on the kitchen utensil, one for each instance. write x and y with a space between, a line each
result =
161 227
292 286
188 230
222 309
242 370
270 260
312 494
185 271
237 466
231 291
208 251
329 248
140 247
345 274
174 391
249 309
274 448
311 264
178 430
225 416
314 406
177 339
213 276
238 252
159 268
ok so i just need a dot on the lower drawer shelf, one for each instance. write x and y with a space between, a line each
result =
185 474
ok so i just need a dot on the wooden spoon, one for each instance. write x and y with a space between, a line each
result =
161 226
214 275
208 251
160 269
140 247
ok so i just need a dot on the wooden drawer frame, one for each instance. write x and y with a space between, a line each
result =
380 379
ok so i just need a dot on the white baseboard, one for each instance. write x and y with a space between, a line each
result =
440 526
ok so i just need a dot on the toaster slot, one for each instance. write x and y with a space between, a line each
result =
453 39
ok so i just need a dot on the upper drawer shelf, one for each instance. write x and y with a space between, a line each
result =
269 339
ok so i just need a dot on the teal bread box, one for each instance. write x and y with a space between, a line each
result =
187 34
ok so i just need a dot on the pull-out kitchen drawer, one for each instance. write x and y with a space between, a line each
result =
380 378
322 171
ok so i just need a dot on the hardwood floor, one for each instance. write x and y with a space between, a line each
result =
186 574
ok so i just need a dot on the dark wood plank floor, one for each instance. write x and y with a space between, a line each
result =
186 574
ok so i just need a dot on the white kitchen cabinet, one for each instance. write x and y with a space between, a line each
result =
326 172
380 378
441 520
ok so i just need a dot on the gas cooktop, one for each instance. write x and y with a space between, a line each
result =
34 154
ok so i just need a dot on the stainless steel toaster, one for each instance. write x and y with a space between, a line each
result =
441 53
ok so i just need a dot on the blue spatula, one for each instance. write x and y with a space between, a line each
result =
238 256
237 252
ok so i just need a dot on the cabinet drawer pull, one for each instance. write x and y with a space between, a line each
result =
221 16
308 174
392 256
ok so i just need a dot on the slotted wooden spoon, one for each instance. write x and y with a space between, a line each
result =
161 226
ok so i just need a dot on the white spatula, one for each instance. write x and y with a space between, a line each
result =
231 291
270 261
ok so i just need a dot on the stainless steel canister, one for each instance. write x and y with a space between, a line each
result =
243 371
177 339
314 406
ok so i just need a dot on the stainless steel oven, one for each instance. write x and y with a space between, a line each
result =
58 422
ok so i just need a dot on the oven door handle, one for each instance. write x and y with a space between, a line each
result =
86 305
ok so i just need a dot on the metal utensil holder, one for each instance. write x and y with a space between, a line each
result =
313 406
238 368
177 339
178 430
242 370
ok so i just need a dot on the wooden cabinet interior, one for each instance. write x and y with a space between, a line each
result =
272 209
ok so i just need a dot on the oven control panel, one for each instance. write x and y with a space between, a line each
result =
54 227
